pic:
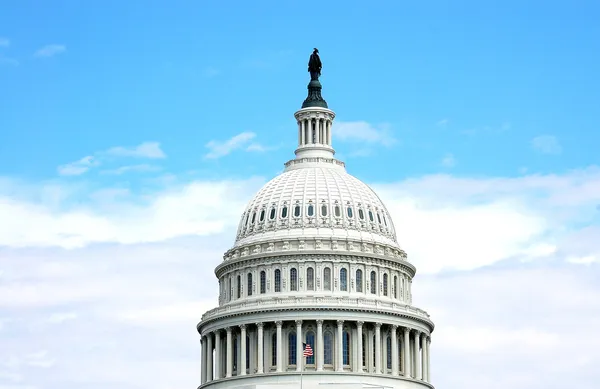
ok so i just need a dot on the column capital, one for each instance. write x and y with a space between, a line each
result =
417 332
298 323
242 326
278 323
260 324
394 327
228 329
319 322
407 330
377 325
340 323
360 324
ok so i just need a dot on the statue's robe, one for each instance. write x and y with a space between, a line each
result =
314 66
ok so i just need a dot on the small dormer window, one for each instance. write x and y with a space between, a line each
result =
350 213
337 211
384 221
284 212
378 218
297 210
361 214
247 218
324 210
272 214
262 215
371 216
311 210
253 217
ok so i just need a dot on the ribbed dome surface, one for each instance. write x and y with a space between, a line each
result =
316 201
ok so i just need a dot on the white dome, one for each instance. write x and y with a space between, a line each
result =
318 200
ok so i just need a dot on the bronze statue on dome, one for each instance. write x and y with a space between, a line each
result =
314 65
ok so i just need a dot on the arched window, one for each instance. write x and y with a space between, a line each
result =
263 282
277 280
343 279
373 282
284 212
327 278
235 353
384 220
389 352
361 214
400 361
292 348
371 216
274 349
229 288
310 339
310 278
385 284
346 348
349 212
359 281
262 215
337 211
395 287
297 210
324 210
253 217
328 348
378 218
239 287
293 279
249 286
311 210
247 218
272 214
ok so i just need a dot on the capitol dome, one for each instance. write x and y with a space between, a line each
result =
318 201
315 289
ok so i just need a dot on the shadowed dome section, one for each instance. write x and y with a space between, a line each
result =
317 202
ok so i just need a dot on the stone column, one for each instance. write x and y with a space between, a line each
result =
302 132
310 131
424 356
340 342
417 359
299 349
377 348
394 350
406 352
319 347
359 345
279 348
428 359
317 130
243 350
260 346
203 357
209 359
229 353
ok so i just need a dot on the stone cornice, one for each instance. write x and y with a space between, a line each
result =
340 304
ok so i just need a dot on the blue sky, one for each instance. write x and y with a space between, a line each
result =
133 133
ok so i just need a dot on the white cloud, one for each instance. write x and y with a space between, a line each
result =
142 168
150 150
50 50
78 167
448 161
546 144
102 302
443 122
4 42
220 149
363 132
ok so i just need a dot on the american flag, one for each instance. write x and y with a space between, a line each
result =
307 350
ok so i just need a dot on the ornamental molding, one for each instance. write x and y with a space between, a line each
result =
412 315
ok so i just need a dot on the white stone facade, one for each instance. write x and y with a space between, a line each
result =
315 261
